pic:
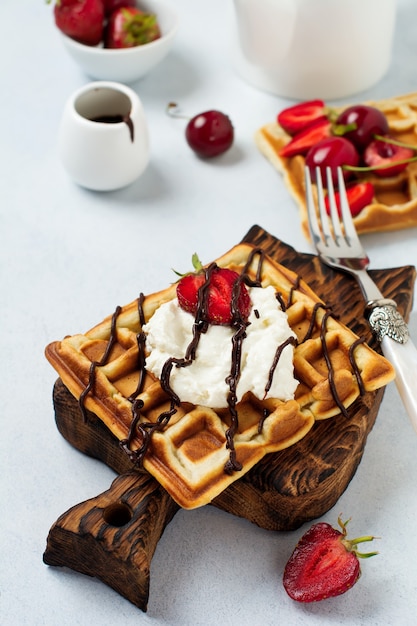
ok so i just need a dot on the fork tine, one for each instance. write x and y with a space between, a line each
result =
334 212
346 215
311 209
325 226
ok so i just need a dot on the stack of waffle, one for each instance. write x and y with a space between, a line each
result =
189 447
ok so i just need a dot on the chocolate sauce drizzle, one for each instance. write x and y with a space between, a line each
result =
354 365
281 302
293 288
141 342
200 326
309 333
95 364
330 369
291 341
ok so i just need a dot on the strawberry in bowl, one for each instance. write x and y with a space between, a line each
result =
116 40
128 27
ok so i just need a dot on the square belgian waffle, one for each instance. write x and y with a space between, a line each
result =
394 205
187 447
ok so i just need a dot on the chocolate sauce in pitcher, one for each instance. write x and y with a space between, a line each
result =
116 119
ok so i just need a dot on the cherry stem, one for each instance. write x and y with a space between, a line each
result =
372 168
174 111
395 142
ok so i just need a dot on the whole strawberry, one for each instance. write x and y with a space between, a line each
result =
214 295
324 563
129 27
81 20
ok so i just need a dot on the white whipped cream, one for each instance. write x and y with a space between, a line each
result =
169 332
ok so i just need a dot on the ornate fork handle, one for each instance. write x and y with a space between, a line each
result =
386 321
392 333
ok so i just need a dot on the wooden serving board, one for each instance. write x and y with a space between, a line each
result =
113 536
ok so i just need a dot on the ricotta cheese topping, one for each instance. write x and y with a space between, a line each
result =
169 332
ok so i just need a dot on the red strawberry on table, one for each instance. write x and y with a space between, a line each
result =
129 27
213 292
324 563
81 20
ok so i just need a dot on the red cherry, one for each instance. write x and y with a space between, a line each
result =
368 121
379 154
209 134
331 152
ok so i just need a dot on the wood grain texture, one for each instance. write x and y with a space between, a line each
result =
283 491
113 537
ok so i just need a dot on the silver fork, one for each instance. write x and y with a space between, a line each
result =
338 246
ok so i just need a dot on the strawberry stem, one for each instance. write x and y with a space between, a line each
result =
197 265
350 544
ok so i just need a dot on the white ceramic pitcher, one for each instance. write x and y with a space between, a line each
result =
103 138
314 48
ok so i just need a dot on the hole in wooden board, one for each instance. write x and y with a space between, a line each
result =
117 514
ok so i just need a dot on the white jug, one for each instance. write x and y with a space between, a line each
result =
306 49
103 138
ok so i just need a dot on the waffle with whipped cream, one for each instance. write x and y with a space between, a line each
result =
394 205
196 451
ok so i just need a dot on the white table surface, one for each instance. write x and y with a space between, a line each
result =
68 256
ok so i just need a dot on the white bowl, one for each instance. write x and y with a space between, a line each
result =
129 64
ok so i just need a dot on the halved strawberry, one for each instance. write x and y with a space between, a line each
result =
305 139
296 118
212 293
324 563
359 195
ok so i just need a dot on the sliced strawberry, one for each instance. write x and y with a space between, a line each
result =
305 139
81 20
299 116
129 27
324 563
359 195
386 158
211 295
